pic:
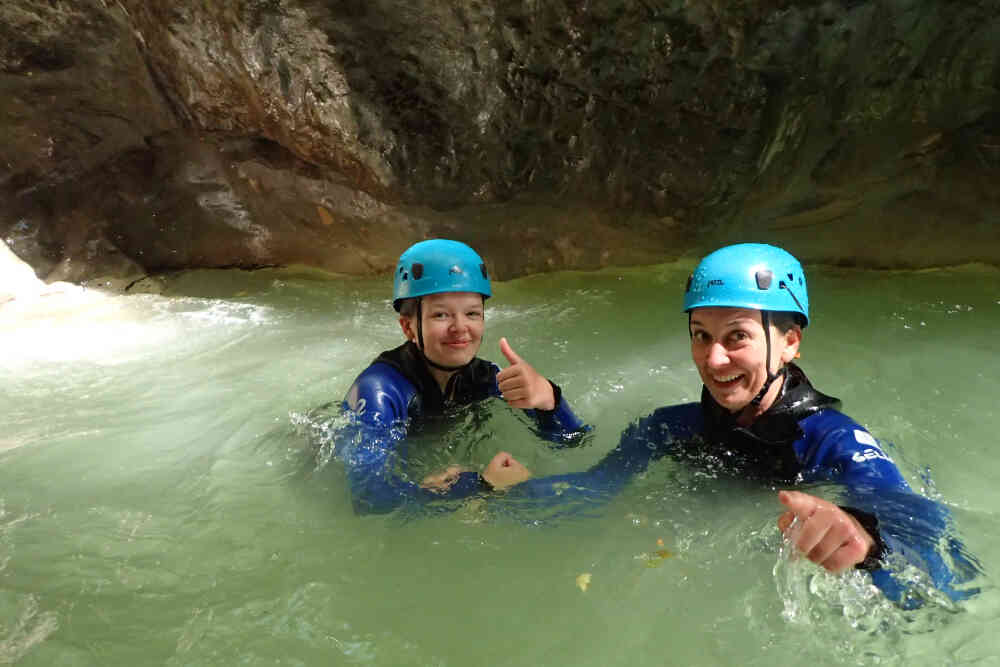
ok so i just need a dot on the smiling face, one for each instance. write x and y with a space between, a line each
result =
729 349
453 327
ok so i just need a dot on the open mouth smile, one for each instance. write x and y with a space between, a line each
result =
727 380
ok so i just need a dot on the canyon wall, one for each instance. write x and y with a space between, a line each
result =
142 136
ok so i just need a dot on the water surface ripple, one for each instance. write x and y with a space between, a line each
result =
167 494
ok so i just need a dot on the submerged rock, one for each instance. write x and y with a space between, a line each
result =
146 136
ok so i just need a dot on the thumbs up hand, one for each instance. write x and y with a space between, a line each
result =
521 385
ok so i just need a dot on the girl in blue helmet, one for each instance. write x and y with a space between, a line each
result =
439 290
759 417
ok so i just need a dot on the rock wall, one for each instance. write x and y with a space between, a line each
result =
144 135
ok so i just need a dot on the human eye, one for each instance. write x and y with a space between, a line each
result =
739 336
700 336
439 314
474 314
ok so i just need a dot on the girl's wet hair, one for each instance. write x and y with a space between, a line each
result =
408 307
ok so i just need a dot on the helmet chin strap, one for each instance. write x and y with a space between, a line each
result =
765 318
420 342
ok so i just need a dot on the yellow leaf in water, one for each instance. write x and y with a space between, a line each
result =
583 581
656 558
324 215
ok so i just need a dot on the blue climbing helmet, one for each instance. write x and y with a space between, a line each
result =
439 265
756 276
749 275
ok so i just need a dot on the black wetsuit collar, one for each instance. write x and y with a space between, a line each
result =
764 448
469 383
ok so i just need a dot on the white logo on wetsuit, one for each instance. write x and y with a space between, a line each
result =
869 454
866 438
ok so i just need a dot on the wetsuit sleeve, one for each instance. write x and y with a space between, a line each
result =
559 425
370 445
906 525
841 450
643 442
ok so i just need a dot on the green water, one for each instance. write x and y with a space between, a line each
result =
163 500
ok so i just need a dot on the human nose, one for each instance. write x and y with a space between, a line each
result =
716 355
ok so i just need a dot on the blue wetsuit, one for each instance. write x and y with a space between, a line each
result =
803 437
398 389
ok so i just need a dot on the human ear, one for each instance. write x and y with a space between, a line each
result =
793 338
406 324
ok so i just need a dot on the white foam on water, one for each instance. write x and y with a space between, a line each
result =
90 326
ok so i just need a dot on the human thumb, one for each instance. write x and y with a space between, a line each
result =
508 352
800 504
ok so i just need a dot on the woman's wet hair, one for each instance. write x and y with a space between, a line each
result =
782 319
785 320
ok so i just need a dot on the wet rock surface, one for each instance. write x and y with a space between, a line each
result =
150 136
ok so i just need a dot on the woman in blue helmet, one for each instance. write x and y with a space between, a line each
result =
759 417
439 290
